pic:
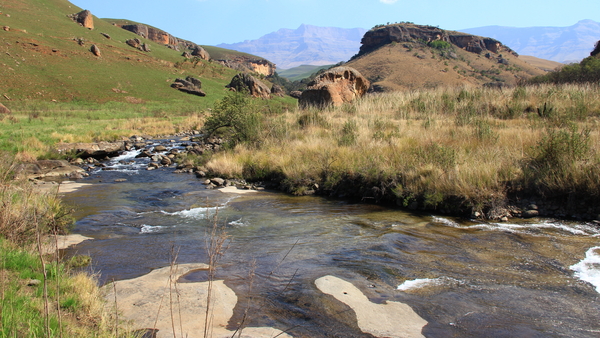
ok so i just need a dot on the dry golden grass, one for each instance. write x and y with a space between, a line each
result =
429 146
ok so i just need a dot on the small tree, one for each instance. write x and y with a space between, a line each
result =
236 117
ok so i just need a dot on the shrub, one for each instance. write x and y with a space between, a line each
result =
237 117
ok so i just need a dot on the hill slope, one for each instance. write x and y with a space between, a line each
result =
408 56
307 45
561 44
44 55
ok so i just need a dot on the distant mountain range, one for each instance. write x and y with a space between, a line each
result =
318 46
561 44
307 45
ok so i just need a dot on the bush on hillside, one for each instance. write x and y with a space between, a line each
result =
587 71
236 117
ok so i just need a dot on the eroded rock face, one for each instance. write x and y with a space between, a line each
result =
243 64
334 87
246 82
152 34
83 18
381 36
190 85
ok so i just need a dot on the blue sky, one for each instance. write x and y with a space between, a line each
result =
210 22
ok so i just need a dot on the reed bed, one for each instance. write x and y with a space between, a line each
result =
466 149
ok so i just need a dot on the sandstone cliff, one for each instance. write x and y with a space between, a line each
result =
151 33
408 32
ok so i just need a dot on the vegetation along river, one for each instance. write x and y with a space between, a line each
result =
524 278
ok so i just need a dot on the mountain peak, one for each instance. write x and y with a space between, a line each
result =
306 45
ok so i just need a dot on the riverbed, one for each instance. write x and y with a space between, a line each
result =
522 278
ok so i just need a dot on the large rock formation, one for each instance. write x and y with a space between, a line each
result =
152 34
83 18
407 32
190 85
247 83
245 64
334 87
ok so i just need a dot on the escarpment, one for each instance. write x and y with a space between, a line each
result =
408 32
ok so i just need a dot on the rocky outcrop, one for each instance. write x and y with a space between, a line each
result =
98 150
47 169
247 83
277 90
407 32
334 87
258 66
83 18
190 85
4 109
596 51
201 53
152 34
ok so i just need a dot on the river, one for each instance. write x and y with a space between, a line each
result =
525 278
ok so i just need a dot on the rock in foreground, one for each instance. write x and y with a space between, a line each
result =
334 87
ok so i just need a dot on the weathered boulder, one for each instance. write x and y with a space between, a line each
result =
296 94
83 18
95 50
105 35
245 64
95 150
277 90
4 109
190 85
334 87
135 43
247 83
201 53
47 168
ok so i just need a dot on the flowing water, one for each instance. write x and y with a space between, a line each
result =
536 278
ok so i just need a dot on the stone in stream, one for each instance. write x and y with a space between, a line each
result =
392 319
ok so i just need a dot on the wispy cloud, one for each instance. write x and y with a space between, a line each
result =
388 2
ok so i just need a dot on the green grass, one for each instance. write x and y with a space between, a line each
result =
300 72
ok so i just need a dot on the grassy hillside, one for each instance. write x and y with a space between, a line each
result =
300 72
413 65
46 56
543 64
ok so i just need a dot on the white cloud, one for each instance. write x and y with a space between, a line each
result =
388 2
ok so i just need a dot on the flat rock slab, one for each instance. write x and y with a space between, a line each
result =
392 319
158 301
62 242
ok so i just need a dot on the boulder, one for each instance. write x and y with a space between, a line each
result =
247 83
201 53
95 50
47 168
83 18
145 47
334 87
296 94
105 35
93 150
135 43
3 109
277 90
190 85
